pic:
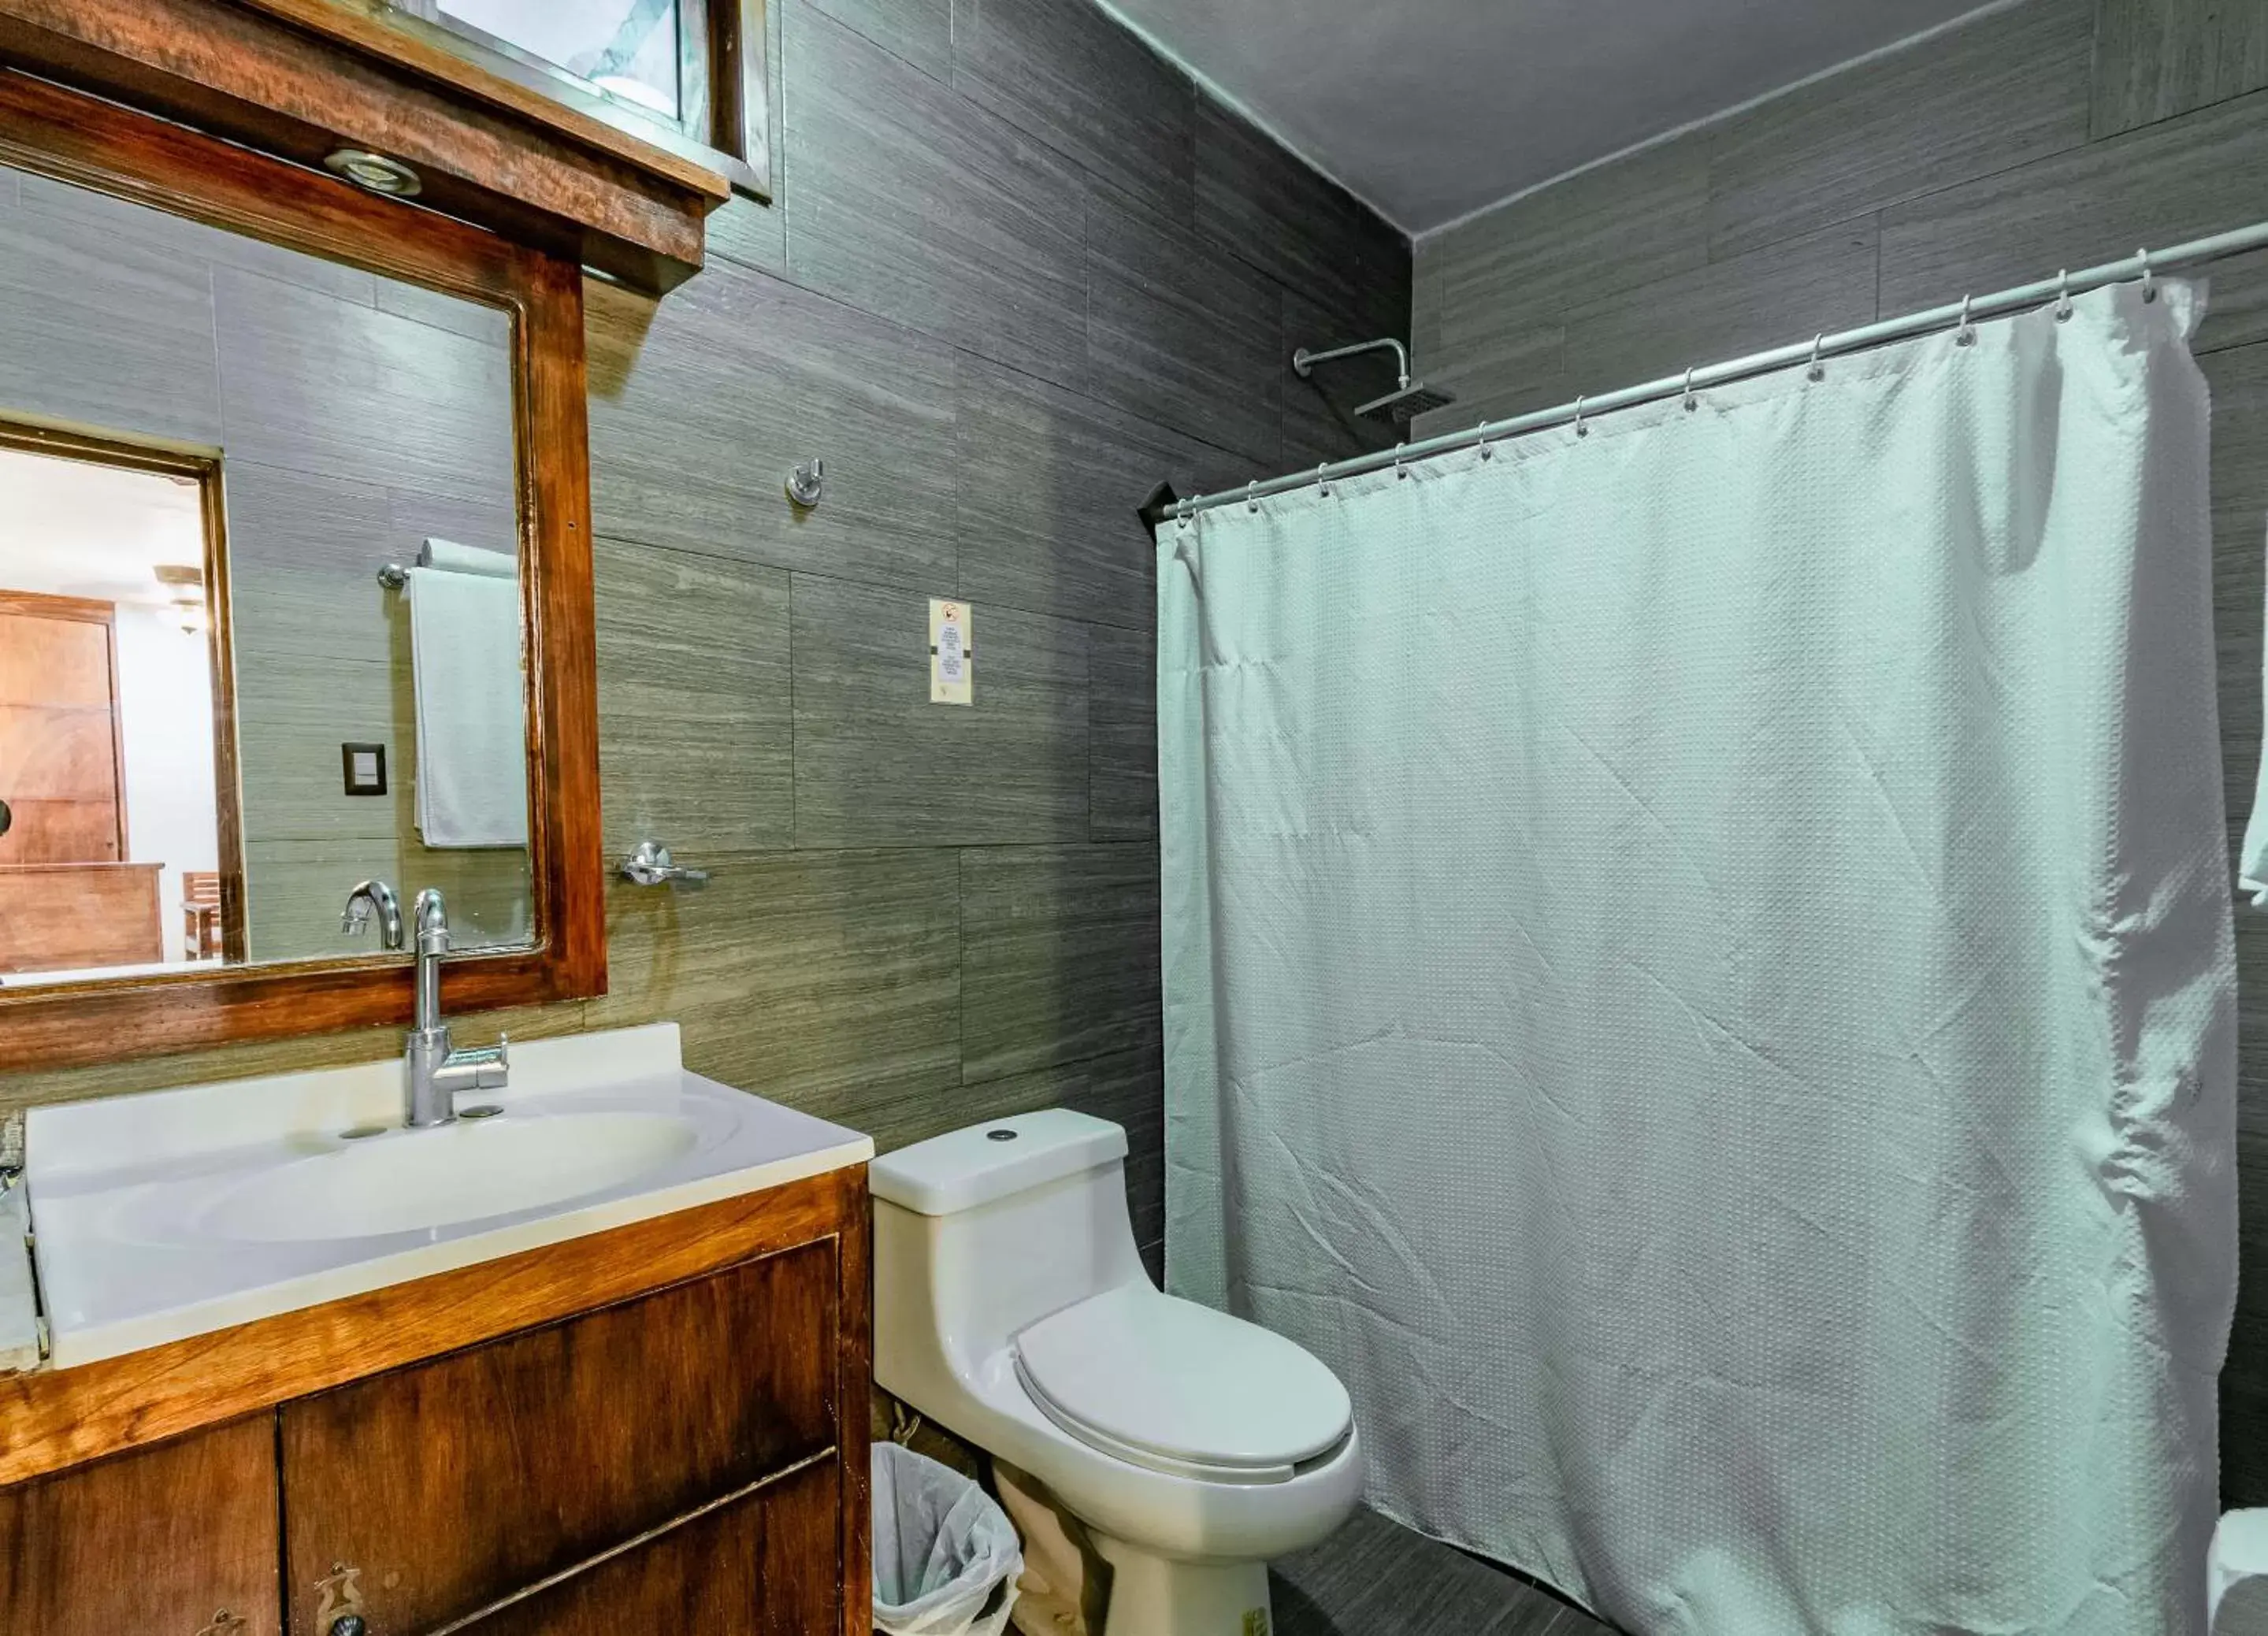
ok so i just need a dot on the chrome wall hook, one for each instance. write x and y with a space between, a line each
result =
2063 297
651 865
807 483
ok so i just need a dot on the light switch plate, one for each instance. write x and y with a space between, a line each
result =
364 767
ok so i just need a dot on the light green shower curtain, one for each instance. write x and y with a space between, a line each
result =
1698 980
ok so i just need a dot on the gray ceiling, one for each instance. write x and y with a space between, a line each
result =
1431 108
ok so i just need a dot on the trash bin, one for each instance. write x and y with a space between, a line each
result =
945 1559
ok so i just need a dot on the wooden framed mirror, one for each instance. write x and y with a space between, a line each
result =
239 389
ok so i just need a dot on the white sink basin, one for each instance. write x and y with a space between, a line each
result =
177 1212
470 1171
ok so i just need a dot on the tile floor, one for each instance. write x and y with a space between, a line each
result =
1376 1577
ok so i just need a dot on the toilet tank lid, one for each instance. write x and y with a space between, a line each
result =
965 1168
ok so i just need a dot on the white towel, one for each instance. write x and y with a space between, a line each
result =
2252 857
472 732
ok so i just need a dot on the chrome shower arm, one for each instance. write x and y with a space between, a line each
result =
1304 362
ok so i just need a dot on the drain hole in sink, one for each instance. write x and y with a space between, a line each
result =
485 1110
360 1132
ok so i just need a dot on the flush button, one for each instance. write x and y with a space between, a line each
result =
999 1136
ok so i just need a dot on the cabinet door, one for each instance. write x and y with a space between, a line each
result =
763 1565
452 1484
164 1542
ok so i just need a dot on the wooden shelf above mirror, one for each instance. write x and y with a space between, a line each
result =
302 79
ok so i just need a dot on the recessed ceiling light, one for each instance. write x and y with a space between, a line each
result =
376 172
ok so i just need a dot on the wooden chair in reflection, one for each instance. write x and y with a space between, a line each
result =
200 914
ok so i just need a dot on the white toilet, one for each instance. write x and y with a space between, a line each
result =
1010 1307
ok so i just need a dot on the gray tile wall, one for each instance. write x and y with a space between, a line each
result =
2058 132
1019 270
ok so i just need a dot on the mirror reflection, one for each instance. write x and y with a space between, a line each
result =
261 636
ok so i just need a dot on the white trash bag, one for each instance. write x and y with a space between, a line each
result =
943 1548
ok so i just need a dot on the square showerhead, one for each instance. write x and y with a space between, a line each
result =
1405 405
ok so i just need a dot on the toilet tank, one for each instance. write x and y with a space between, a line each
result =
982 1232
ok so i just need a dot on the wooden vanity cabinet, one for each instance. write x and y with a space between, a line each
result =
454 1485
174 1539
659 1428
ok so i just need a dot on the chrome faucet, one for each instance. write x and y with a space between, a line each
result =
436 1071
368 895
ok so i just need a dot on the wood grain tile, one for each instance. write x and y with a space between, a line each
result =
877 764
103 328
2239 378
700 404
295 889
695 736
312 383
827 981
1258 202
1634 222
192 241
2154 59
1122 724
1044 513
2182 178
1058 955
909 201
919 30
1070 76
1183 333
1823 281
293 711
1998 94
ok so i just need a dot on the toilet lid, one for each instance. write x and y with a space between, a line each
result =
1143 1373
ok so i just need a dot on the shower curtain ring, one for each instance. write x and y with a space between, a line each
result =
1966 335
1252 495
1818 371
1400 470
2063 296
1691 402
2149 278
1323 478
1480 433
1581 430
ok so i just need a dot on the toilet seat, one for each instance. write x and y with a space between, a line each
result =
1167 1384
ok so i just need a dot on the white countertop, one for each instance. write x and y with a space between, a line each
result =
179 1213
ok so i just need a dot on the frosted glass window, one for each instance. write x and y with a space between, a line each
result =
626 48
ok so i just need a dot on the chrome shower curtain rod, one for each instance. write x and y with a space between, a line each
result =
2143 264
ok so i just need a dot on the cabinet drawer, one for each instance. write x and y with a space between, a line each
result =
451 1484
764 1566
159 1541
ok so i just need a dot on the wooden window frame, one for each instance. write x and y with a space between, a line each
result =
724 82
90 143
